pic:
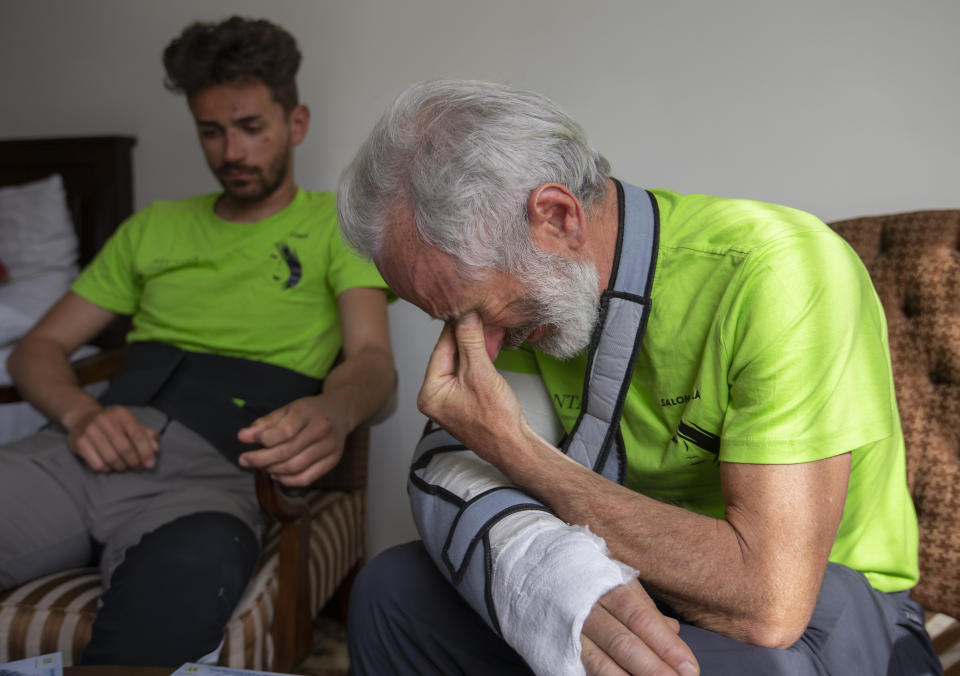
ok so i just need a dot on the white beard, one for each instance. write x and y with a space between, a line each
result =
564 296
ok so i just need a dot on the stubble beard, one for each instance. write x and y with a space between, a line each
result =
262 184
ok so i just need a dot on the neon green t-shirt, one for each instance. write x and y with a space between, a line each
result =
766 344
264 291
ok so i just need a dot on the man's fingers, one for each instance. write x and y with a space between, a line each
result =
443 360
313 472
113 439
147 446
292 446
595 661
632 607
441 368
101 437
622 646
288 426
253 433
298 462
263 458
471 342
86 450
140 440
291 458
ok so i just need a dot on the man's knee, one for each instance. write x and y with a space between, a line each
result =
406 618
384 581
174 592
379 620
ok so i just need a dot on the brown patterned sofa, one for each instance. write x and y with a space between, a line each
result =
914 261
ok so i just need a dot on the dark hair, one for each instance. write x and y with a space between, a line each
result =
234 50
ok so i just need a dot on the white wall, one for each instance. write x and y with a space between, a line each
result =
843 108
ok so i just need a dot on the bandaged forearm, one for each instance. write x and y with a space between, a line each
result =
533 578
546 577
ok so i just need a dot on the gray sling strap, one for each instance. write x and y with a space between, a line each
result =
596 441
453 527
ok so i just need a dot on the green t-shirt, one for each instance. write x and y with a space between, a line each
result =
766 344
263 291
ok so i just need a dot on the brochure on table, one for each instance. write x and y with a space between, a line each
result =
50 664
191 669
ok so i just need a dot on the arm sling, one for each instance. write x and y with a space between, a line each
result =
456 529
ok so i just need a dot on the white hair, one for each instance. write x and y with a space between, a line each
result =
464 157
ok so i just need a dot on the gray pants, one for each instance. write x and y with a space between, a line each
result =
405 618
57 512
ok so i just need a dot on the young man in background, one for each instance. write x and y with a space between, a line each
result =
240 303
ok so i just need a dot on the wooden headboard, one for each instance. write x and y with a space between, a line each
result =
97 173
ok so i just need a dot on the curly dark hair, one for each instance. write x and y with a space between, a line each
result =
234 50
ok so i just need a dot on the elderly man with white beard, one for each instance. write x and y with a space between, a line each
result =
663 436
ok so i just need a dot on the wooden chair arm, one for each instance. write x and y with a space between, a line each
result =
100 366
276 503
292 626
9 395
286 504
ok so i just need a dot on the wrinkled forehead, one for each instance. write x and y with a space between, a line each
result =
424 276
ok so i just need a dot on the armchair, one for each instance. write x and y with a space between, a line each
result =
310 554
914 262
316 538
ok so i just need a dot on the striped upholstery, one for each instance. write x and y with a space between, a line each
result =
56 612
336 545
48 614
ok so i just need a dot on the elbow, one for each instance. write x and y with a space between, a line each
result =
779 624
775 634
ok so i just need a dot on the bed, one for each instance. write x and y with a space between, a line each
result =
60 199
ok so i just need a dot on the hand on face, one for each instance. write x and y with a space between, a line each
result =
463 392
625 633
300 442
113 440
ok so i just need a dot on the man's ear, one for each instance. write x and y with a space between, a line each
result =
299 119
556 219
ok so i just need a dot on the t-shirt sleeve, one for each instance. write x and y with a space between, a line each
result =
347 270
809 368
111 280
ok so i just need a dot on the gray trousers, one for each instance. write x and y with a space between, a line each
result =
405 618
57 513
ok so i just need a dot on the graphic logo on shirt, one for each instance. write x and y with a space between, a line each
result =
690 433
287 268
566 401
679 399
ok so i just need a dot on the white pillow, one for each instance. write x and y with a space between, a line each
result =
36 233
13 324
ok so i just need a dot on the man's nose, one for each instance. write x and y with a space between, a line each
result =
493 338
233 147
